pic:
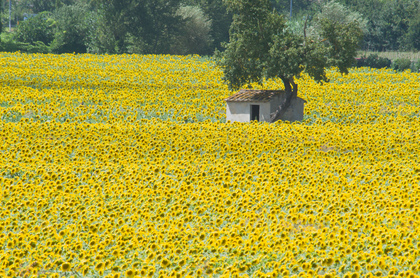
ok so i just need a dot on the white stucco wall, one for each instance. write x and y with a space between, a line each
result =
241 111
275 102
295 111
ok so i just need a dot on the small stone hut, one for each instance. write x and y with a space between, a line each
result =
260 105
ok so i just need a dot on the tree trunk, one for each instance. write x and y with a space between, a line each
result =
290 88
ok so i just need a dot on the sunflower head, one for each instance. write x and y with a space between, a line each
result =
65 266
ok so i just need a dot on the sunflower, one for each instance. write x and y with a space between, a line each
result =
328 261
355 275
99 266
115 268
130 273
181 263
164 263
65 266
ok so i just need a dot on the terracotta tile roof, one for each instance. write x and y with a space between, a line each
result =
254 95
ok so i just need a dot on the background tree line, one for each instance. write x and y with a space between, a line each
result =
188 26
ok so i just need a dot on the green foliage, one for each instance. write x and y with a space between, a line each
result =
388 22
38 6
401 64
194 37
37 28
147 26
338 13
342 40
134 26
342 29
416 66
378 62
71 29
374 61
216 11
221 20
261 46
1 23
9 44
108 30
36 47
251 34
283 6
156 23
396 23
412 37
297 25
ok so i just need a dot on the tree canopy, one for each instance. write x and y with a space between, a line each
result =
262 46
199 26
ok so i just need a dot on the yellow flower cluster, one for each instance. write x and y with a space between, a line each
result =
111 89
123 166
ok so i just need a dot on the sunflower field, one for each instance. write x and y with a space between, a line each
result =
124 166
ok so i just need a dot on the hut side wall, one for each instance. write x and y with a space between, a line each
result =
275 102
240 111
295 111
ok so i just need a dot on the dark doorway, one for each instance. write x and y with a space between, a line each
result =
255 113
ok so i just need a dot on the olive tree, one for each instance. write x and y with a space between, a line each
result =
262 46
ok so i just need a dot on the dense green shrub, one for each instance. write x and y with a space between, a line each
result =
9 44
415 66
121 26
71 30
194 37
37 47
37 28
412 37
401 64
373 61
359 62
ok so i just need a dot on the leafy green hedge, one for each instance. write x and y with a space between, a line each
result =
374 61
9 44
401 64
